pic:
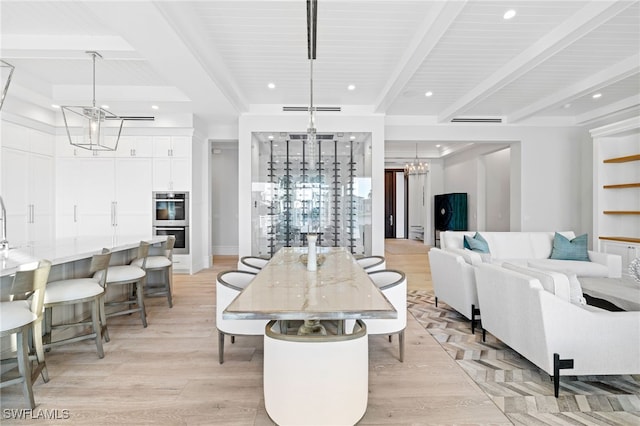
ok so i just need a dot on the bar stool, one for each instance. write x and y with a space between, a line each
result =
164 264
228 285
252 263
133 277
77 291
372 263
19 315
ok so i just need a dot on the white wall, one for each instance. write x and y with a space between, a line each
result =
497 190
548 165
400 206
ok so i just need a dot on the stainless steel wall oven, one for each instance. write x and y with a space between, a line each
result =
171 217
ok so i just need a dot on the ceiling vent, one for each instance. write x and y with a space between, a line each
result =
306 109
476 120
319 136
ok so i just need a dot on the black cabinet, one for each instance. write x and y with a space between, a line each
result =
450 213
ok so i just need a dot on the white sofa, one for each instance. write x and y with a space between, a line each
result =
560 337
454 283
531 249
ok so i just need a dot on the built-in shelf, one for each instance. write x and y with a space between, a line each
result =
628 158
621 212
622 239
622 185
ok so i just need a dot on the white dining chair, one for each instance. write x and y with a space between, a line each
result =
372 263
393 284
252 263
20 315
228 285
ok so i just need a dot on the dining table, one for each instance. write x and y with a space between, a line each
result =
316 360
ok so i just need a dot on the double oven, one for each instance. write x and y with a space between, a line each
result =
171 217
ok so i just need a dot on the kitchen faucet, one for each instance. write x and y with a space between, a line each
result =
4 244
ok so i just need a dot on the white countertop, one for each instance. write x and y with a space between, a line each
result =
68 250
284 289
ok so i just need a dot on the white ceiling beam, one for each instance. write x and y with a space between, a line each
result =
580 24
144 26
28 44
611 75
622 106
430 32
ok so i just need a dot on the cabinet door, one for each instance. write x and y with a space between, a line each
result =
181 146
134 182
162 174
15 178
95 197
161 146
126 147
41 192
180 174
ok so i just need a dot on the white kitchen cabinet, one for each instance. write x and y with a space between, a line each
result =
171 174
135 146
103 196
172 146
27 183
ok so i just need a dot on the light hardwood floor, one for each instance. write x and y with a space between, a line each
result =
169 374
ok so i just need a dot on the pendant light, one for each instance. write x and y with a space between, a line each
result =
416 167
92 121
6 67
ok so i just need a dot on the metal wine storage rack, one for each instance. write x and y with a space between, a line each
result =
301 189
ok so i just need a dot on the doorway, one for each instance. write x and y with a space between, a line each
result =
396 203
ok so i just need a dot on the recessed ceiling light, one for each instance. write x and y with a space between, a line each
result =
566 106
509 14
429 93
271 85
351 87
270 137
55 106
155 107
104 106
597 95
352 137
438 146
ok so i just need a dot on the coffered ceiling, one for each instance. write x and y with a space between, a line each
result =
216 58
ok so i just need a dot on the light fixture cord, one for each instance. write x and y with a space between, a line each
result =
93 55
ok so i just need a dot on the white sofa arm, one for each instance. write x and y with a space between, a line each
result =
469 256
612 261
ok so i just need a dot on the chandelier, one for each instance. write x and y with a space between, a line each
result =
416 167
92 121
7 65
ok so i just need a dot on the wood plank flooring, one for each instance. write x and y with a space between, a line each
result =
168 373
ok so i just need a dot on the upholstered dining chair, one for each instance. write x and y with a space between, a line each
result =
77 291
372 263
162 263
19 315
228 285
252 263
393 284
132 277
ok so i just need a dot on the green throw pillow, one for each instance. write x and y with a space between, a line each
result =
565 249
477 243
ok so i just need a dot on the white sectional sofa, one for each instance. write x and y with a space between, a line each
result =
560 337
454 283
531 249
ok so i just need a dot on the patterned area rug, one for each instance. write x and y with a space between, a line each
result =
519 388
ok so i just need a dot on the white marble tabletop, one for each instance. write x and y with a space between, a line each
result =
68 250
284 289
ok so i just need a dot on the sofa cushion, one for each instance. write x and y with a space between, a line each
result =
582 269
566 249
553 282
476 243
